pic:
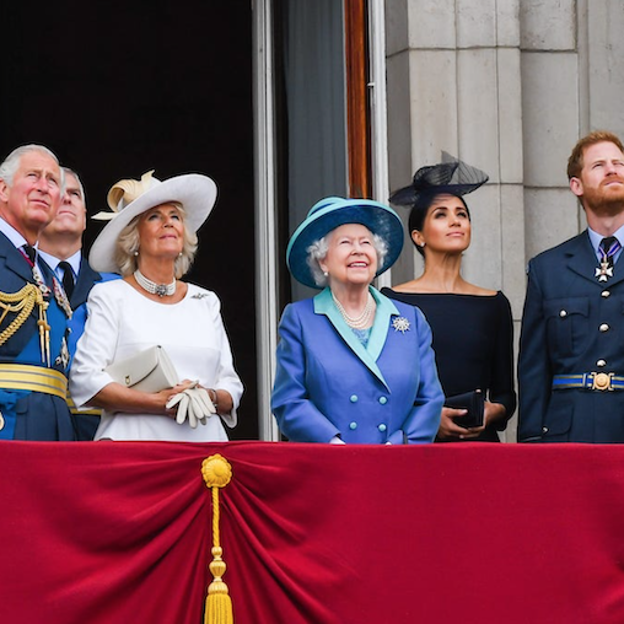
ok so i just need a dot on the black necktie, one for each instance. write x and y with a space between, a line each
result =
31 252
68 278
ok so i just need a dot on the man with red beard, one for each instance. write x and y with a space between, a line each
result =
571 365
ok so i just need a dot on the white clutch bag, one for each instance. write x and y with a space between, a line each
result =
149 371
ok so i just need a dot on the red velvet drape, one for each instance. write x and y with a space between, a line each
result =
119 533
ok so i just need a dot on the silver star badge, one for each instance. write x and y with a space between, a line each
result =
604 272
400 323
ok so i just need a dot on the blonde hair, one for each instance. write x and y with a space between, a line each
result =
127 247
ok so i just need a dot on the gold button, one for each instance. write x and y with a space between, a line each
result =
601 363
563 314
605 293
604 328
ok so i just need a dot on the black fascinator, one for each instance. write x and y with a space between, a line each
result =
451 176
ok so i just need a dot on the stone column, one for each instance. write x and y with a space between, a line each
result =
454 84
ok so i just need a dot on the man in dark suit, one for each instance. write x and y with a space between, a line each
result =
33 308
571 365
60 246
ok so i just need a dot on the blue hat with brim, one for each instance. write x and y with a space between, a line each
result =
332 212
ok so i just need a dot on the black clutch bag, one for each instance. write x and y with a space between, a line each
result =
474 402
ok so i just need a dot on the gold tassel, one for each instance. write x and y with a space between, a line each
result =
217 473
44 329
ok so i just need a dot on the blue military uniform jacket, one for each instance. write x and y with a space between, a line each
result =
85 422
328 384
86 279
31 415
572 324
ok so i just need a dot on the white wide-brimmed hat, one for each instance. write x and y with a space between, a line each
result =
128 198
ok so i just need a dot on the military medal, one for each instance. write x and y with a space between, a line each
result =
43 287
61 298
608 247
63 357
604 271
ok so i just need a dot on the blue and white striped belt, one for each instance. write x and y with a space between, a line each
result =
604 382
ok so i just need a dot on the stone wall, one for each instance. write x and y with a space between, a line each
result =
508 86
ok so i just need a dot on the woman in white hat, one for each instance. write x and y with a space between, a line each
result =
472 326
352 366
151 240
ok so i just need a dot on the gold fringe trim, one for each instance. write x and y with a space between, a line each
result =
217 473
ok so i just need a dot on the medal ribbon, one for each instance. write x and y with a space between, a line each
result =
608 248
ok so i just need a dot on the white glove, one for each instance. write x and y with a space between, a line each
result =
200 405
194 404
182 401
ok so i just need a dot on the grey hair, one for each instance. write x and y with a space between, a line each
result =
67 170
12 162
128 245
317 252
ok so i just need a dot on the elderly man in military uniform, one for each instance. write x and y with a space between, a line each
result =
571 365
33 307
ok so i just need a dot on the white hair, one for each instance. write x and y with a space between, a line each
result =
317 252
12 163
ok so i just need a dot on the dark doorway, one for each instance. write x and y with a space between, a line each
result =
116 89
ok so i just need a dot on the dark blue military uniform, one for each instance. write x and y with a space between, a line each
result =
32 404
86 422
571 365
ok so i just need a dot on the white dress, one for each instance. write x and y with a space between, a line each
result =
121 323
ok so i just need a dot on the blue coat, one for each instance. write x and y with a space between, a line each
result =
31 415
86 423
572 324
85 281
327 383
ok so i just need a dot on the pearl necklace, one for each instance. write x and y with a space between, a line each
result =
363 321
152 287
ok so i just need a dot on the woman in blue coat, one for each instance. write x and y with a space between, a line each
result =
352 365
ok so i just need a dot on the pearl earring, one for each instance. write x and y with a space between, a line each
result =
325 273
136 253
422 244
180 255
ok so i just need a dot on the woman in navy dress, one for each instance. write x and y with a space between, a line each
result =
472 326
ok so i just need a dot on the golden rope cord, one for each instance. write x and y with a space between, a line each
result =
26 298
217 473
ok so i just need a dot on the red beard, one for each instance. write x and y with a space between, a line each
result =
606 198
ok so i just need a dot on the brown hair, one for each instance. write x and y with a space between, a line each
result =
575 162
